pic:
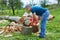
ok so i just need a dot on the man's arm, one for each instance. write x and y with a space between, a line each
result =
21 20
34 16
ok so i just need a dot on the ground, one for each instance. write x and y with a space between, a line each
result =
52 29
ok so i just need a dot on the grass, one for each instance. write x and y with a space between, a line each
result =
52 29
9 12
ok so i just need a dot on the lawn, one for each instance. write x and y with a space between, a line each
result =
52 32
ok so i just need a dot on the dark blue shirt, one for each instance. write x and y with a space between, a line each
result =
38 10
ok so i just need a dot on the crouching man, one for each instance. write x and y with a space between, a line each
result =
41 12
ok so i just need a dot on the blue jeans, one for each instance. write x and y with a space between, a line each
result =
43 23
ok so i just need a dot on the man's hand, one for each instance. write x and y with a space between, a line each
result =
39 17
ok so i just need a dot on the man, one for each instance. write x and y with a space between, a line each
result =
27 19
43 14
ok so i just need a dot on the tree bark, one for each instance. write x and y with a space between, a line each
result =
13 10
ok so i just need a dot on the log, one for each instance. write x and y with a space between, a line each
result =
11 18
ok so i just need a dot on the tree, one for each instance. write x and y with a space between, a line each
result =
32 3
58 2
2 5
43 3
3 2
14 4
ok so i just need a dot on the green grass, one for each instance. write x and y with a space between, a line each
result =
9 12
52 29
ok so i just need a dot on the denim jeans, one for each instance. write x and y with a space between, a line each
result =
44 18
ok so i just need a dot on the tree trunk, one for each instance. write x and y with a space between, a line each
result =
13 10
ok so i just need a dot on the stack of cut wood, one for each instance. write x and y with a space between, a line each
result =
12 27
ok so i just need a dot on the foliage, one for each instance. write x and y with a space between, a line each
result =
43 3
13 4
